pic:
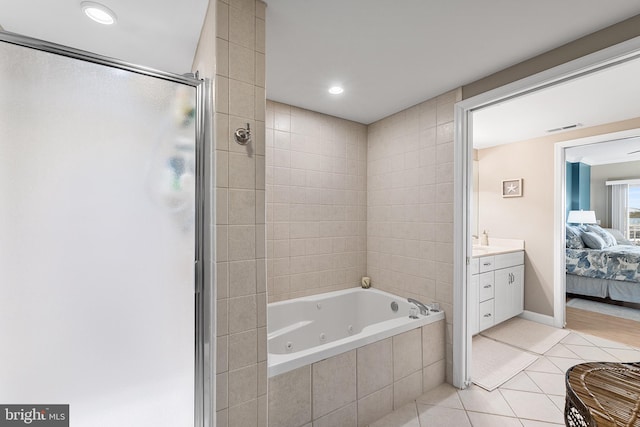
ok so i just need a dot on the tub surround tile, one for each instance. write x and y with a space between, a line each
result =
433 335
433 375
334 383
407 353
343 417
407 389
290 398
375 367
375 406
406 416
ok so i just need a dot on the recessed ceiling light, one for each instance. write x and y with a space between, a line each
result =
98 12
335 90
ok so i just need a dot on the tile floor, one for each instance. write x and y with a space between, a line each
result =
533 398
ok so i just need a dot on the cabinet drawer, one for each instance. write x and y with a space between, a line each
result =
486 263
486 286
475 265
509 260
485 314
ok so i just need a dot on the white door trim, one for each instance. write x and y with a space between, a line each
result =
462 185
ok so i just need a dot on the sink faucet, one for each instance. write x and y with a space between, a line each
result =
423 308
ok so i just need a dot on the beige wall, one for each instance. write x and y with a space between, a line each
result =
410 205
529 217
231 50
617 33
600 194
316 202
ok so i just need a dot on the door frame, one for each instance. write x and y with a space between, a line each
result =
463 149
204 272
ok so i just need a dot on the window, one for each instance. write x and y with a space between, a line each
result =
633 211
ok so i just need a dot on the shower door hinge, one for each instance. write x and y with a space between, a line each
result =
468 260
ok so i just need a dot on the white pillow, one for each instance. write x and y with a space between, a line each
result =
620 240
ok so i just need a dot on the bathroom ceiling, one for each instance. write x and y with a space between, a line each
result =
389 55
160 34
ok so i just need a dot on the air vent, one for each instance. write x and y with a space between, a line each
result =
576 125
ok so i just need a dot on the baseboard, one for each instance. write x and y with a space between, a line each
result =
537 317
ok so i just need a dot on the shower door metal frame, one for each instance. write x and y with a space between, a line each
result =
204 340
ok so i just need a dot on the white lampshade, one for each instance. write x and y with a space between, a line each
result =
582 217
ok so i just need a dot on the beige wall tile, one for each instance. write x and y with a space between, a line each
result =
241 171
222 390
374 367
407 389
433 375
290 398
242 314
343 417
222 317
242 242
242 204
334 383
222 95
242 64
241 99
222 134
433 342
222 418
243 385
243 349
242 27
375 406
244 415
222 20
407 353
222 352
263 416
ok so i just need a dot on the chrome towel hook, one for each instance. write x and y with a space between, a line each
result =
242 135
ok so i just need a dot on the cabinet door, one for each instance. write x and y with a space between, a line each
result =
509 293
472 304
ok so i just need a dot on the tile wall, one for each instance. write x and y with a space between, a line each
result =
231 51
316 168
410 205
362 385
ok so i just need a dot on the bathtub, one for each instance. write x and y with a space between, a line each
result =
306 330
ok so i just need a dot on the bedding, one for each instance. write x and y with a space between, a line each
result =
619 262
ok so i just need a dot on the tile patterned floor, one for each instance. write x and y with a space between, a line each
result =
533 398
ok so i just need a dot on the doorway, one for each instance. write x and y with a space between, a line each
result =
463 173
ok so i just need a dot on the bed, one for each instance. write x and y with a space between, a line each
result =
602 269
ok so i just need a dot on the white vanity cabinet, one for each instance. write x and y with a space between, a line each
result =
496 291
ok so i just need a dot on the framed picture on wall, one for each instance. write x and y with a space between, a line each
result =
512 187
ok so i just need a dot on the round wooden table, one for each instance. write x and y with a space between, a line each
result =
603 394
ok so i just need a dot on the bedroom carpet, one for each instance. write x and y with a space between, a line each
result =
495 363
609 309
527 335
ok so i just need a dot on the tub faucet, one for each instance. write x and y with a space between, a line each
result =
423 308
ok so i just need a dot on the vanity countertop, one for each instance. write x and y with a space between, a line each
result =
497 247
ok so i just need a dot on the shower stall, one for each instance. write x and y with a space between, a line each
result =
105 301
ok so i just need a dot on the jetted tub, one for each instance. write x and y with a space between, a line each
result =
305 330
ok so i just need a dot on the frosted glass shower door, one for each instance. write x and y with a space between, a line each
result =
96 240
